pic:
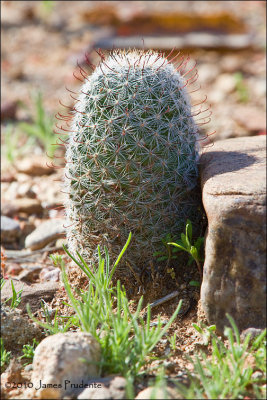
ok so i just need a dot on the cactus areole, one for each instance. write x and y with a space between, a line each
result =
131 156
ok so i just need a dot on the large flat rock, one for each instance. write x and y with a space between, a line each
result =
45 233
233 179
31 294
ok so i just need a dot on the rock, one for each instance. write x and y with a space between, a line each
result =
50 274
233 180
28 367
8 176
253 119
49 189
105 388
19 190
159 393
257 87
29 273
57 361
226 83
45 233
10 230
8 110
25 205
253 332
208 72
12 373
25 190
13 269
34 166
27 227
17 329
31 294
60 242
231 63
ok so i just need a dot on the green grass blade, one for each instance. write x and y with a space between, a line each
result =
120 256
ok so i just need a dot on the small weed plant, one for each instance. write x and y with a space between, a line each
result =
42 126
206 332
185 244
46 8
168 252
172 341
5 356
28 351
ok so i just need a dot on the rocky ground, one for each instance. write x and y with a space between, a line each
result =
40 48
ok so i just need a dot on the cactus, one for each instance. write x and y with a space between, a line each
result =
131 160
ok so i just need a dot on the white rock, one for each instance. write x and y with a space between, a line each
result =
158 393
10 229
45 233
110 387
58 362
225 83
208 72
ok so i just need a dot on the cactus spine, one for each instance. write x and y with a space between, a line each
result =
131 157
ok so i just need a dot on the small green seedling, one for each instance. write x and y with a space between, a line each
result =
167 253
185 245
28 351
194 283
172 340
241 87
57 260
47 7
5 356
206 332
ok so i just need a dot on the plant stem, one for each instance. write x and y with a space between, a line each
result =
199 268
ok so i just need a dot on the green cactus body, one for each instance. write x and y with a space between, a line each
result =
131 157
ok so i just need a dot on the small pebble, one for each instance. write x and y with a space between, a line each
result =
29 367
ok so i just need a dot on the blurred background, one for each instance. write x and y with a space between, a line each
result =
42 41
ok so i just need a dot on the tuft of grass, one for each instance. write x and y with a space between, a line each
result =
42 126
16 296
241 87
229 372
12 147
103 310
125 338
46 8
56 324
